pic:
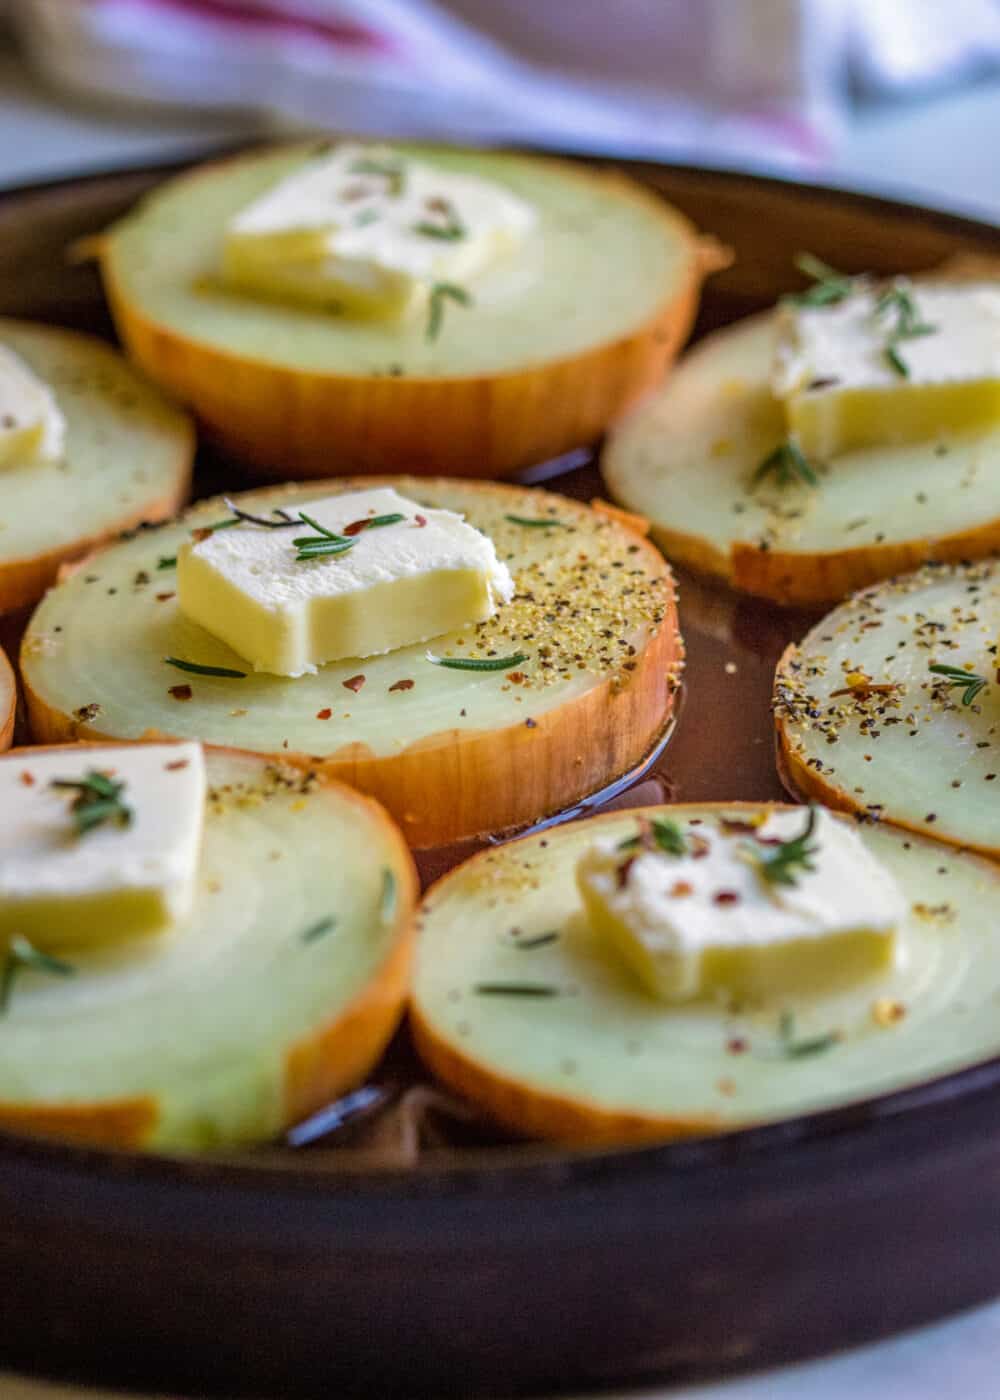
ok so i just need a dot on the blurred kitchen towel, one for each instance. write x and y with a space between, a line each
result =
765 81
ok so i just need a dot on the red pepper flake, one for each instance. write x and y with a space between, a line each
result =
177 763
724 897
517 677
355 527
180 692
28 779
738 1045
726 1087
201 534
698 847
680 888
163 597
324 714
354 683
421 521
735 826
402 685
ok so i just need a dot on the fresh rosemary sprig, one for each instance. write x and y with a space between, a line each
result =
196 669
540 522
318 930
394 175
787 464
663 833
515 989
793 1049
829 286
324 542
98 800
897 301
970 683
440 292
790 858
21 956
478 663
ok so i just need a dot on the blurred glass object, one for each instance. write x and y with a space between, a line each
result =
758 81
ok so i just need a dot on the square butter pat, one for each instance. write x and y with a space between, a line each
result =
32 429
840 391
401 582
367 230
695 924
63 889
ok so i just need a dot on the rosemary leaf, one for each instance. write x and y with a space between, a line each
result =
22 956
515 989
787 464
440 292
478 663
97 800
167 561
196 669
387 899
540 522
318 929
967 681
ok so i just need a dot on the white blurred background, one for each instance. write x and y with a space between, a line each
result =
901 95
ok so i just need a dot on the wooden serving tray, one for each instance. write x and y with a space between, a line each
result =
484 1267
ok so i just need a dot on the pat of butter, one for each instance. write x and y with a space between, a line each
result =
63 888
369 231
841 390
32 429
400 582
706 921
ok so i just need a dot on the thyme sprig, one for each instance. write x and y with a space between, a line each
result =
968 681
787 464
477 663
660 834
829 286
22 956
896 300
789 859
440 293
97 801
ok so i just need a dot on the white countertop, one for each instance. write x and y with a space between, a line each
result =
942 152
